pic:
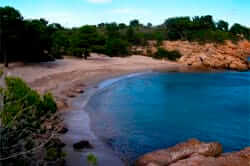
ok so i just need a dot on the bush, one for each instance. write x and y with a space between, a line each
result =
49 103
116 47
165 54
21 118
22 104
217 36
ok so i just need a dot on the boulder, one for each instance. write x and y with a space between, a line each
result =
82 145
195 153
179 152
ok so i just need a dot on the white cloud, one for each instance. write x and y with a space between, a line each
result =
100 1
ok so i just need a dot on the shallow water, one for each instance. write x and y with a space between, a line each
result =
158 110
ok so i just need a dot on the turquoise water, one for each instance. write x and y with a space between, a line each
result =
158 110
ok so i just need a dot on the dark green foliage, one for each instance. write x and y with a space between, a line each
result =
217 36
116 47
37 40
238 29
165 54
21 117
222 25
31 39
51 154
177 28
82 41
202 29
134 23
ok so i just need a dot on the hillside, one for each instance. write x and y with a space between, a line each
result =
227 56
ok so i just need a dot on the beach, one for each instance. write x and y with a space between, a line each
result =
63 77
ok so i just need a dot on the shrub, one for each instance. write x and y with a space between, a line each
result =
22 104
49 103
52 154
116 47
92 160
165 54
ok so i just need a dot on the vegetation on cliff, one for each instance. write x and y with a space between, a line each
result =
24 137
37 40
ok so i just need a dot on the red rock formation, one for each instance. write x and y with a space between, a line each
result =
195 153
210 56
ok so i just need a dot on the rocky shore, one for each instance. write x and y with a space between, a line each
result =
228 56
195 153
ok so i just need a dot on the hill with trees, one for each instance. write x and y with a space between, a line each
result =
37 40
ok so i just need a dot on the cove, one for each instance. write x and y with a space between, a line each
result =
152 111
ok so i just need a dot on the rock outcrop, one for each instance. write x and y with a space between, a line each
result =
195 153
215 56
207 56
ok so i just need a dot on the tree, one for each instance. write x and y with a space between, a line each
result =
83 39
11 21
238 29
116 47
149 25
122 26
204 22
37 37
134 23
222 25
60 43
177 27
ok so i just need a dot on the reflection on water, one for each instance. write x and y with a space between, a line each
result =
158 110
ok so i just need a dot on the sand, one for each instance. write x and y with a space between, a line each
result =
64 77
61 76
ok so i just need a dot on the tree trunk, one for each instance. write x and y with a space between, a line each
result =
6 63
3 50
1 39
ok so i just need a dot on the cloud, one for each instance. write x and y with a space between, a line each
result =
99 1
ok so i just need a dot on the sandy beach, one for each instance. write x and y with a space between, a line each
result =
63 78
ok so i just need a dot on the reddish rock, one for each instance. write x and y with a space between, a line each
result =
211 56
195 153
179 152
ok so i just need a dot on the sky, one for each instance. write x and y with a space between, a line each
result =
71 13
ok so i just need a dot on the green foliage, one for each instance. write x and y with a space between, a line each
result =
22 105
238 29
134 23
222 25
116 47
202 29
49 103
36 40
92 160
165 54
51 154
217 36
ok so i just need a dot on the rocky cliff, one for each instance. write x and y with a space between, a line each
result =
195 153
208 56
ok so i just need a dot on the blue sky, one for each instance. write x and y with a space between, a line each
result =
80 12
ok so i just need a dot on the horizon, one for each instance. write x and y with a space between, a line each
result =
92 12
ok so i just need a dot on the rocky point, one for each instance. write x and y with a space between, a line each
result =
195 153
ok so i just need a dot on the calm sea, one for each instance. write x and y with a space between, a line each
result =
158 110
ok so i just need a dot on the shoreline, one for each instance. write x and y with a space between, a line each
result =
103 152
64 77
